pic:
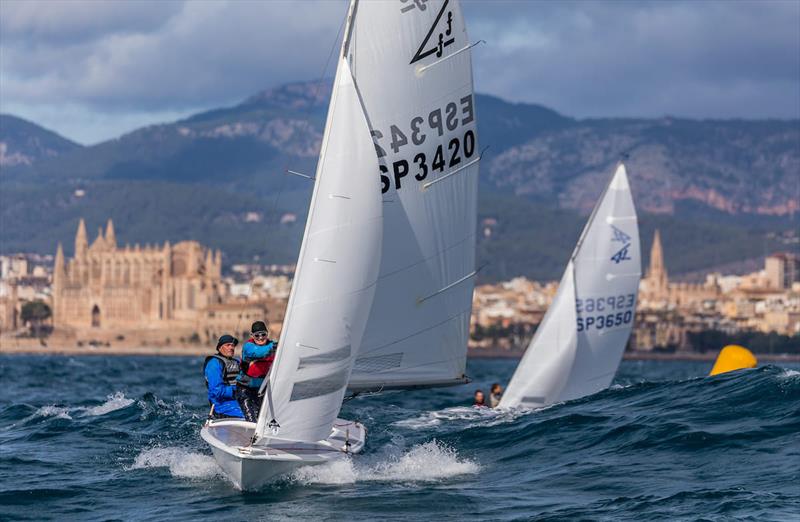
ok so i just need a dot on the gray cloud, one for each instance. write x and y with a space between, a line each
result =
92 70
696 59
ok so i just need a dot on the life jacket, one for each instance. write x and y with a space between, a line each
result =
256 368
230 368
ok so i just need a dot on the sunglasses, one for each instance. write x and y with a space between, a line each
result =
260 335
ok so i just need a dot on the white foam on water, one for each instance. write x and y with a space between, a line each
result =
473 416
428 462
425 462
117 401
58 412
789 373
181 462
337 472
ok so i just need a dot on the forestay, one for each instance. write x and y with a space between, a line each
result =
578 348
335 278
412 63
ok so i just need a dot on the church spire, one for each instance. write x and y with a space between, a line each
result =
81 242
58 267
111 238
99 242
657 271
208 265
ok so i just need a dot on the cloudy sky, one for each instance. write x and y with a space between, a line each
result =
93 70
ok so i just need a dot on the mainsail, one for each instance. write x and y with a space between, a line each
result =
412 64
579 345
335 278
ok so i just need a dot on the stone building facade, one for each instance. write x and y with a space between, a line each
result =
110 288
657 292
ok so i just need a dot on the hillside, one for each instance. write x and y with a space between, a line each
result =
716 189
23 143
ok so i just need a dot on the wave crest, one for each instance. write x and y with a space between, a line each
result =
428 462
181 463
116 401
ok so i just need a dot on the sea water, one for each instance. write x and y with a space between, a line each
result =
113 437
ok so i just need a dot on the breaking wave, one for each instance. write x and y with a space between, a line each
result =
181 463
428 462
463 414
58 412
115 402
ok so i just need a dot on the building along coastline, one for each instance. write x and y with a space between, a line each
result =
175 299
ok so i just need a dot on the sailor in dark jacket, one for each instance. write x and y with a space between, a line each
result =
221 370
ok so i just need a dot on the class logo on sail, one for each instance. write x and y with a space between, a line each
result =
621 237
439 36
413 4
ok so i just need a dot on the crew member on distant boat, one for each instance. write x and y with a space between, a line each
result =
479 401
495 395
258 354
221 370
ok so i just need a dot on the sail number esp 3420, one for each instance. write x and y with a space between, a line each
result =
410 140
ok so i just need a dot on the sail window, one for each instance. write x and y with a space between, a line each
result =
378 363
320 386
339 354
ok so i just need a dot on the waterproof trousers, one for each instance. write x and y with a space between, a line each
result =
249 402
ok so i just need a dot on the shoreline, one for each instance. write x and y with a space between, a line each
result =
33 347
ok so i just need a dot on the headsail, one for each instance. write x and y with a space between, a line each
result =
596 301
545 368
335 278
412 63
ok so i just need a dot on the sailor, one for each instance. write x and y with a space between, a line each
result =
479 400
495 395
258 354
221 370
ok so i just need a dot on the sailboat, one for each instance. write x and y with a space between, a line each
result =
382 292
579 344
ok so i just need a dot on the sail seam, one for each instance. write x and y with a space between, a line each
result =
426 259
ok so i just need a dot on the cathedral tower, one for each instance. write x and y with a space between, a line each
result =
81 241
657 272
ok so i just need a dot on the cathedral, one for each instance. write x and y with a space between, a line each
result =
134 288
656 290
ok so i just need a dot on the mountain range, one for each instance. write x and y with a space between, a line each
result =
720 190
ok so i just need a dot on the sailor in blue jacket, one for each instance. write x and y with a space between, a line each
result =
258 354
221 370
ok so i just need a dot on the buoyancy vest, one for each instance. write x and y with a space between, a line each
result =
256 368
230 368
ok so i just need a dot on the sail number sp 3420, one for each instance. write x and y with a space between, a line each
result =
420 160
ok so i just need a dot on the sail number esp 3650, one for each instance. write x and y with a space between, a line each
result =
605 312
421 129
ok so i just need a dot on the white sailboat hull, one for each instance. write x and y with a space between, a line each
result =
251 467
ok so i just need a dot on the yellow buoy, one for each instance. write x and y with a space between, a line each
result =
733 357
